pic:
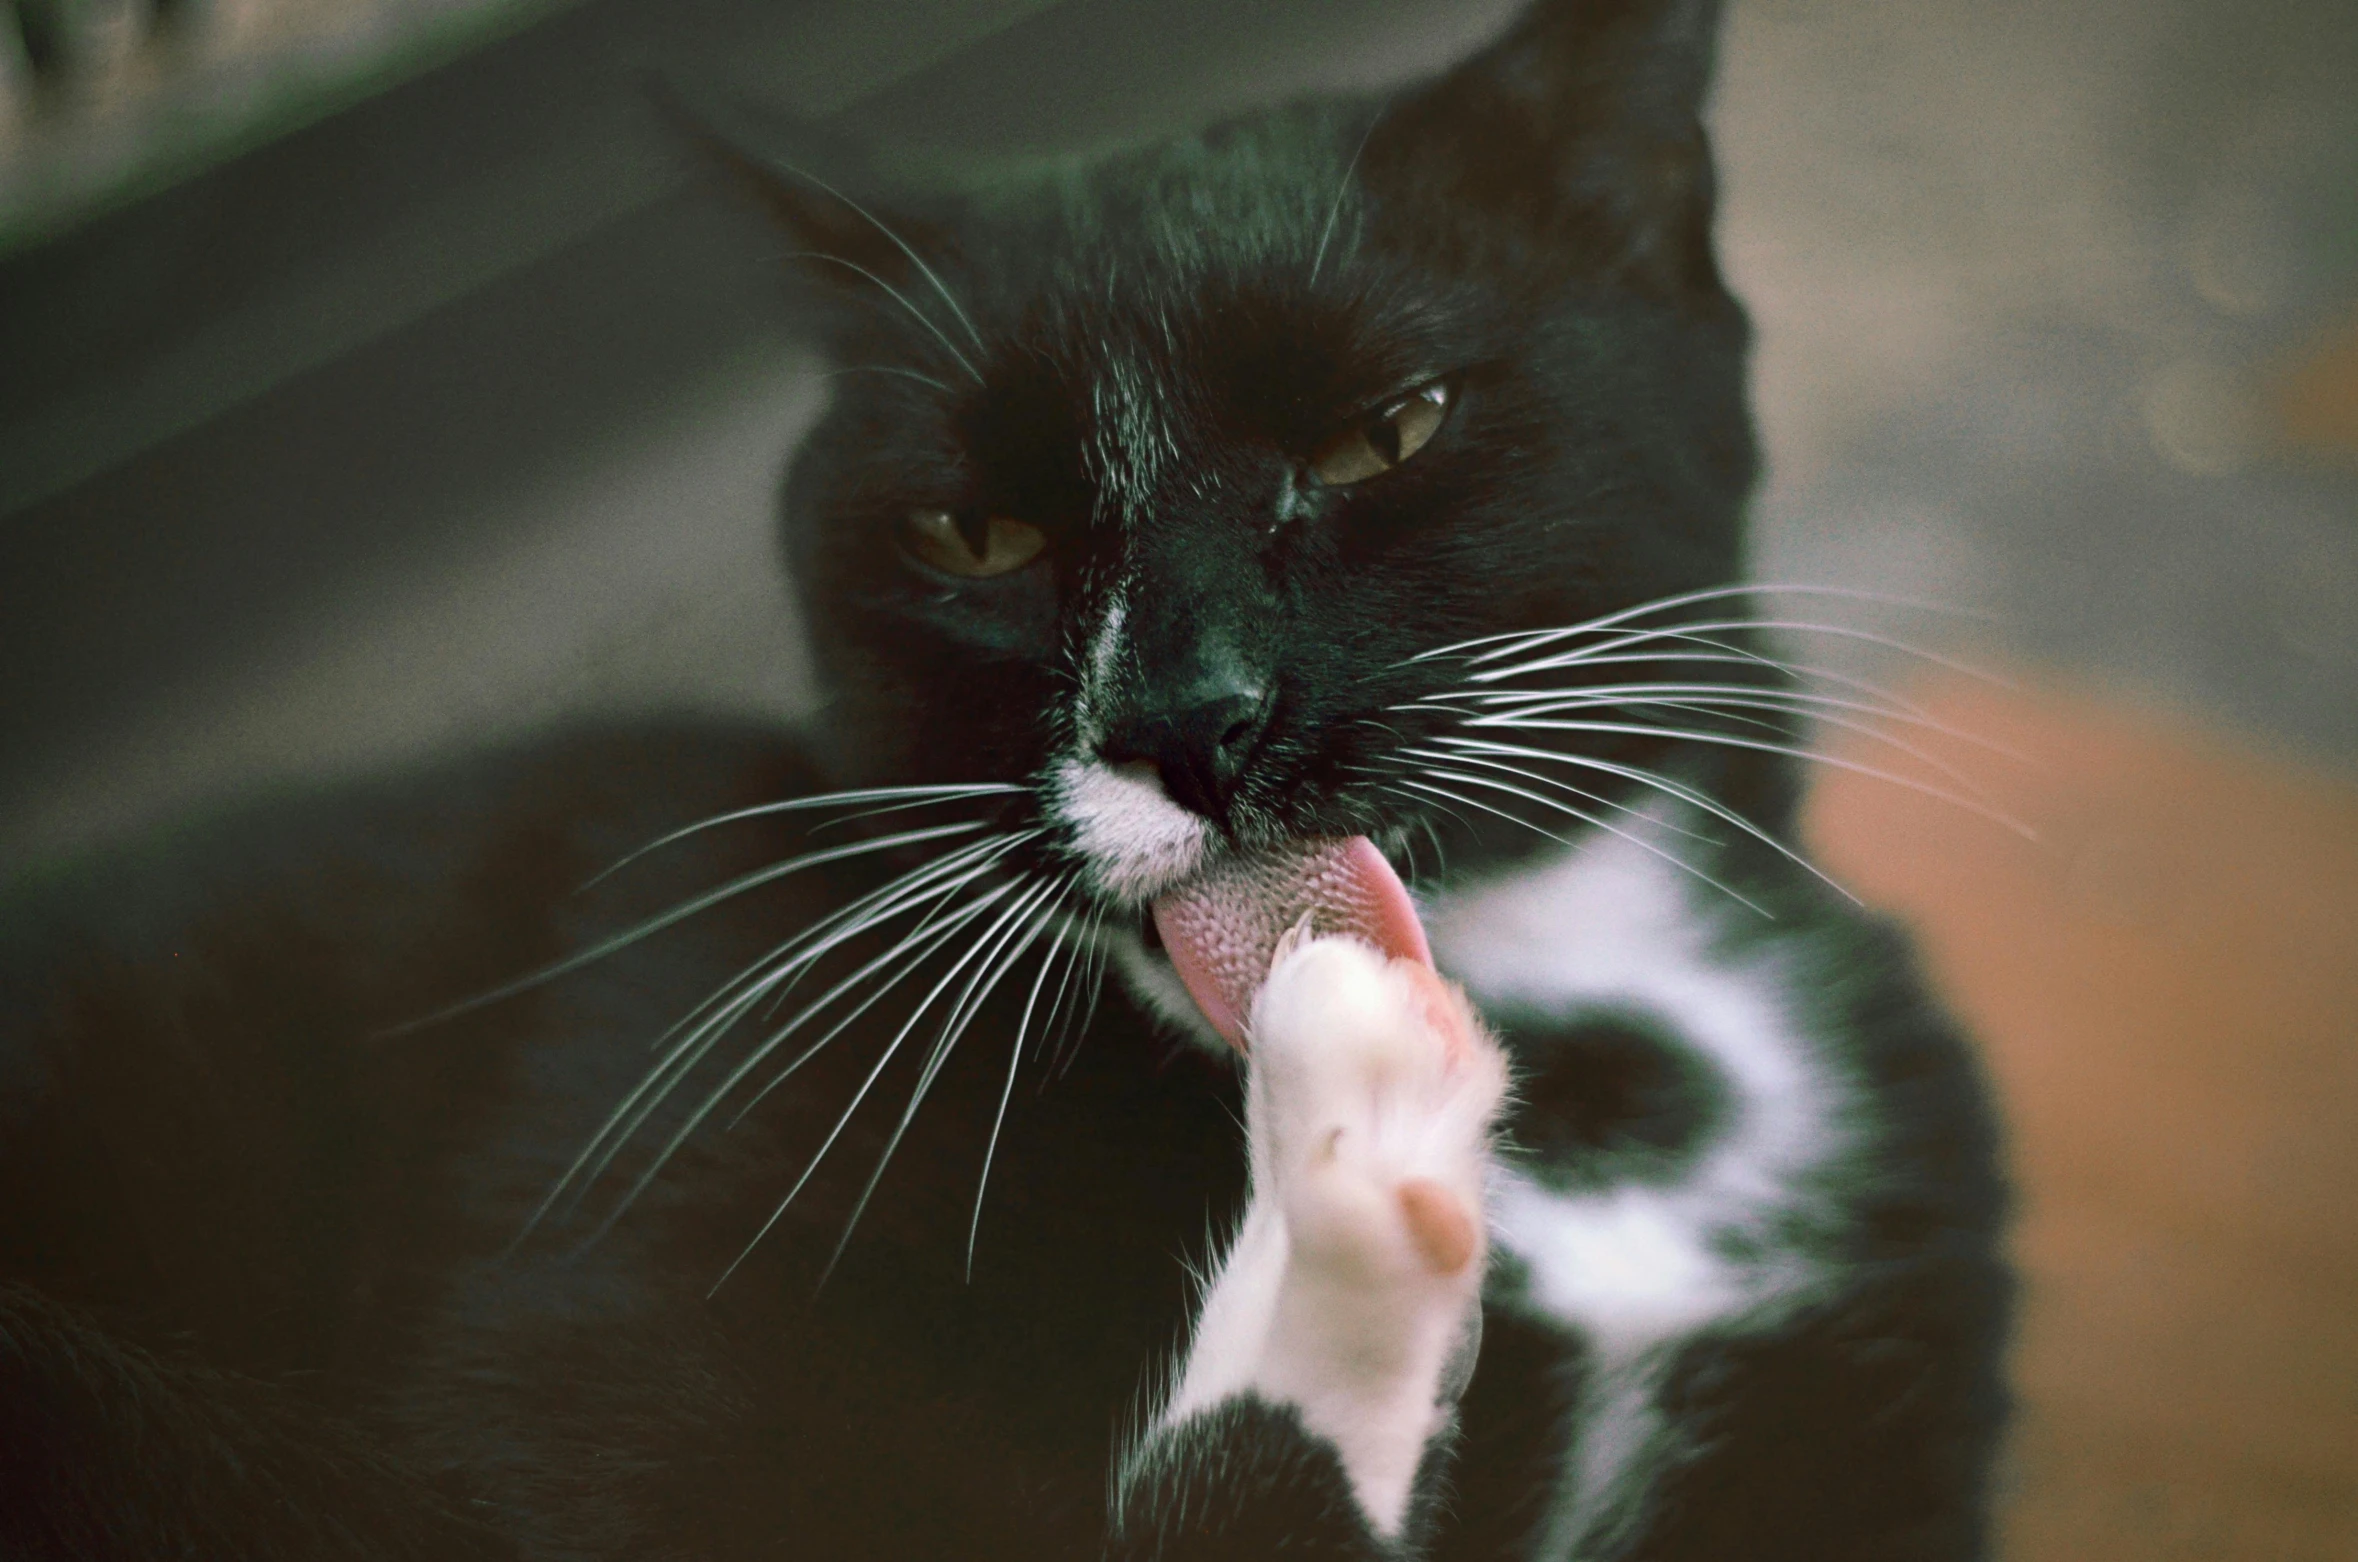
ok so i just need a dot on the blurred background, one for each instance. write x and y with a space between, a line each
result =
376 378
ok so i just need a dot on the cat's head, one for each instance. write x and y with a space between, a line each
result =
1149 485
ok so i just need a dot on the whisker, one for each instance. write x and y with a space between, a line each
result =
920 796
1710 702
905 248
868 910
970 1000
1529 639
927 884
1096 993
1054 1034
987 976
1677 789
1790 751
923 940
1722 653
1723 708
900 298
981 861
920 886
877 811
1421 805
1556 784
680 913
1541 702
1416 872
1086 1009
893 369
916 946
1335 212
1014 1063
1440 849
1402 789
932 932
1590 819
891 1050
1624 639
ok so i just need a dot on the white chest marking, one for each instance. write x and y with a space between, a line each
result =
1636 1269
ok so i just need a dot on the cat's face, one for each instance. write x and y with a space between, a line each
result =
1149 487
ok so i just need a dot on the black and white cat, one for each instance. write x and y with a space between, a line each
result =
1269 568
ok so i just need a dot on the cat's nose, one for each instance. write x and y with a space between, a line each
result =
1200 749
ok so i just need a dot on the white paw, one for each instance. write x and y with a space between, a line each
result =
1353 1289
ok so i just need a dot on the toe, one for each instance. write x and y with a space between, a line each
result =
1439 1225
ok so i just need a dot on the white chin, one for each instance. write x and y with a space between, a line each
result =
1134 841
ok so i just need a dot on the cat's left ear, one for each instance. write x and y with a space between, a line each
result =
1581 129
854 232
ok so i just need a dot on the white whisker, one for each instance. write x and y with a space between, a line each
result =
893 369
919 796
1626 638
1057 1027
1585 817
866 911
926 884
1509 643
1791 751
1661 783
1335 212
1094 985
1557 784
909 250
900 298
1023 1026
1722 653
957 866
1707 699
933 930
911 952
884 1060
1003 957
683 911
1576 696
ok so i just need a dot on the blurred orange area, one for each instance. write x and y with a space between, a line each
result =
2317 403
2165 986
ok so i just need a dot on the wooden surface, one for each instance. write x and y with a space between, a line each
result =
2166 987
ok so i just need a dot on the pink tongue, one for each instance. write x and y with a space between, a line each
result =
1223 927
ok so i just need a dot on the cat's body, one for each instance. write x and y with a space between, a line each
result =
288 1281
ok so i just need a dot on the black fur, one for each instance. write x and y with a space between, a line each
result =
281 1282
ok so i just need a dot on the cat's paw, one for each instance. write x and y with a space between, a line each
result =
1353 1291
1372 1094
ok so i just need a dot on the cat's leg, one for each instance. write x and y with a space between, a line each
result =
1316 1402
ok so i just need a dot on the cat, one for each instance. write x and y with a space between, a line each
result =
1273 1012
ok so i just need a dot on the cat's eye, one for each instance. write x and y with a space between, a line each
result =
1380 443
974 547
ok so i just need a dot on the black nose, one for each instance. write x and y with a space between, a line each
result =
1200 750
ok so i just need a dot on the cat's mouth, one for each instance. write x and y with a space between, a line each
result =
1221 927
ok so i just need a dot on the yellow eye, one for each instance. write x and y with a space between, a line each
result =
971 547
1383 441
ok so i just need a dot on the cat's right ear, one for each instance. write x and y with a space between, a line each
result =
853 233
1582 128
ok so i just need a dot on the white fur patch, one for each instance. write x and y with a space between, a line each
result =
1135 840
1639 1268
1098 673
1325 1301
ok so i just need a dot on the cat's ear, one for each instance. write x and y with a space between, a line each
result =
1582 126
852 231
